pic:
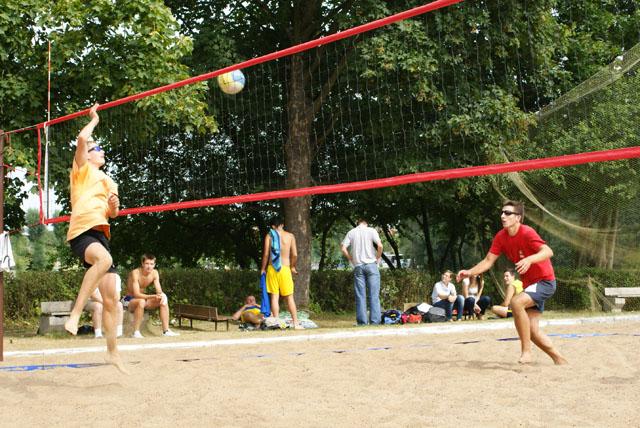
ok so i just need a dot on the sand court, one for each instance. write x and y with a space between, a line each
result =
443 375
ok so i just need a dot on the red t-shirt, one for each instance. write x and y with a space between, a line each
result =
525 243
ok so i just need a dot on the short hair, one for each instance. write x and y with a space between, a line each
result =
276 220
147 256
518 207
361 219
511 271
447 271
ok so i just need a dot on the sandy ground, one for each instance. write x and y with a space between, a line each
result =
397 377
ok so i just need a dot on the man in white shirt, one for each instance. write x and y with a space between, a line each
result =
365 254
444 296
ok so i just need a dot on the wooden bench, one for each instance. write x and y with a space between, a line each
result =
617 296
197 312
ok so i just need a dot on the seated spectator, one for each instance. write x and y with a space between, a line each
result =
136 301
444 296
514 286
94 305
249 313
474 301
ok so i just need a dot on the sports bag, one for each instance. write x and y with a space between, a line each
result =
435 315
414 318
391 316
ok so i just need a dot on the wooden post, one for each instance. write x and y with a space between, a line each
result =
2 137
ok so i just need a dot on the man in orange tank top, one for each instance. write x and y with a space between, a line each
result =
94 199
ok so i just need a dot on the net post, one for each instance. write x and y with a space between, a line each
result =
2 137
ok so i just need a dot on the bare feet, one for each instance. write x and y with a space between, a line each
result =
298 327
525 358
72 324
116 361
560 360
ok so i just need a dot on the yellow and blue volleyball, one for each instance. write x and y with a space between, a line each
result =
232 82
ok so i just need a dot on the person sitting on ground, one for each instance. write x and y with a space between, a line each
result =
137 301
514 286
444 296
95 306
474 301
249 313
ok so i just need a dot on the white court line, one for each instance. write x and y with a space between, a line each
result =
440 328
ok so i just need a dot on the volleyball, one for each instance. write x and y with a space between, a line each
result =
232 82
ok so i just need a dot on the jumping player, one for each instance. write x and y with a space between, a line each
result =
94 199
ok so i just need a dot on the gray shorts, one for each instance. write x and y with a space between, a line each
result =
541 291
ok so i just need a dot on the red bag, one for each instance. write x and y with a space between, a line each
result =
414 319
404 318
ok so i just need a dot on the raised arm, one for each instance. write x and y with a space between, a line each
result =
84 135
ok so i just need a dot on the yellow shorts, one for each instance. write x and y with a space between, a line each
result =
254 311
279 282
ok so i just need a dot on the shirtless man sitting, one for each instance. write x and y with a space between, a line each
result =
136 301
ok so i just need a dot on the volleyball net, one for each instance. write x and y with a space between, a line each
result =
431 95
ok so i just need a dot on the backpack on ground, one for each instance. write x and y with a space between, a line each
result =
435 315
392 316
414 319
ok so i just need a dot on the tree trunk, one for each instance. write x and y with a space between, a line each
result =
323 244
297 211
427 238
394 245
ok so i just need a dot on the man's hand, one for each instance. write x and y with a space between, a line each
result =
114 202
523 265
93 112
476 309
294 270
462 274
452 298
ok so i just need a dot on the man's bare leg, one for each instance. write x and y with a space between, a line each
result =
137 307
519 306
541 340
291 304
100 260
164 316
109 320
275 305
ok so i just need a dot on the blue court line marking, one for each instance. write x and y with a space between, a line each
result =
36 367
580 335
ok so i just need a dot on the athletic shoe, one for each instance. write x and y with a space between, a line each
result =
98 336
170 333
137 335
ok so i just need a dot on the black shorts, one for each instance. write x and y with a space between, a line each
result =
80 243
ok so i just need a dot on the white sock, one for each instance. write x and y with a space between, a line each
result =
119 330
98 332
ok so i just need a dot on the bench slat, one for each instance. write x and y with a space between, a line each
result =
622 292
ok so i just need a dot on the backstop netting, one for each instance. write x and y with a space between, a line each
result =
464 112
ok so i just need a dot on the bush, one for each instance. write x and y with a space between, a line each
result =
331 290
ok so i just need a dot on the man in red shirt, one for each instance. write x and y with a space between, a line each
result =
531 255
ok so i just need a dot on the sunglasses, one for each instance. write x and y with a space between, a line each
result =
508 213
95 148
